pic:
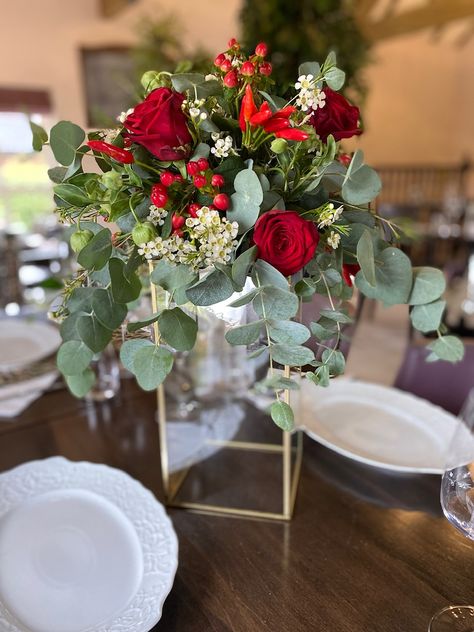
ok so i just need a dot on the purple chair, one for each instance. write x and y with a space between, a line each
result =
444 384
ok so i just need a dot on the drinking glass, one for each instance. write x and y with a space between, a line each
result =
457 501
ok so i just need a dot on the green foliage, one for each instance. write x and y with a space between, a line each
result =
178 329
65 139
96 254
361 183
447 348
40 136
282 415
151 365
213 288
246 200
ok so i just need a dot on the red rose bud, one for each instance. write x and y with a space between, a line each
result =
285 240
167 178
221 201
193 209
199 181
219 60
160 125
120 155
247 108
348 271
292 134
177 222
217 180
231 79
203 164
265 68
192 168
247 69
261 49
345 159
226 65
338 117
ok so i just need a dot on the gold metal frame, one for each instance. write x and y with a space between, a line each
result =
290 473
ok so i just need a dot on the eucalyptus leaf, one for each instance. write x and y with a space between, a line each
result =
178 329
171 277
361 183
73 357
96 253
365 257
427 317
140 324
428 285
309 68
71 195
129 349
214 288
242 265
93 333
80 384
334 360
336 315
282 415
265 274
393 278
40 136
65 138
151 365
245 202
80 299
108 312
275 303
291 355
125 288
244 334
288 332
245 299
448 348
335 78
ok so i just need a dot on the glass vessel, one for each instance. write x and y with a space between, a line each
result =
457 501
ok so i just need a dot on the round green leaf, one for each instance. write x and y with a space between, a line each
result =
291 355
125 287
428 285
393 276
427 317
288 332
246 200
151 365
245 334
265 274
93 333
178 329
80 384
73 357
109 313
96 253
282 415
447 348
275 303
214 288
130 348
65 138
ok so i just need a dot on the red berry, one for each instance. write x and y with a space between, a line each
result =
193 209
345 159
219 59
231 79
226 65
233 43
203 164
217 180
158 196
177 221
199 181
179 232
247 69
265 68
178 178
192 168
221 201
261 49
167 178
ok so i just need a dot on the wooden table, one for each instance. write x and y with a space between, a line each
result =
366 551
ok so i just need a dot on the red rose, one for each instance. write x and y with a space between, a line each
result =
337 117
159 124
285 240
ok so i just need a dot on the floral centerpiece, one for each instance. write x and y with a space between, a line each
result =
211 180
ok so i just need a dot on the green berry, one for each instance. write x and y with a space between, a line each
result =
111 180
80 239
143 233
279 145
151 80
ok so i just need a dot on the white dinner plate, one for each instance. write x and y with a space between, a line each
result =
377 425
83 548
23 342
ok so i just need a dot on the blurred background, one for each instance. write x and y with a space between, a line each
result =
409 63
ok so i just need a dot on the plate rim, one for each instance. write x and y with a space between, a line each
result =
353 456
53 333
16 626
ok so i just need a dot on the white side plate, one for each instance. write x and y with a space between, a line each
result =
377 425
83 548
23 342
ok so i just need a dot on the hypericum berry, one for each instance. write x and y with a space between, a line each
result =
219 60
265 68
221 201
80 239
178 178
247 69
261 49
192 168
199 181
167 178
345 159
217 180
193 209
143 233
231 79
203 164
226 65
233 43
177 221
158 196
179 232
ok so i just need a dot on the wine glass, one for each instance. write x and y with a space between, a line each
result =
457 501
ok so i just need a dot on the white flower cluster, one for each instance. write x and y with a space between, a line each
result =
157 215
222 145
310 97
334 239
109 135
329 215
121 117
194 108
210 239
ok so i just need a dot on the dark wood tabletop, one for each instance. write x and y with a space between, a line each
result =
366 551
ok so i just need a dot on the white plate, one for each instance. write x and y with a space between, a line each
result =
23 342
378 425
83 548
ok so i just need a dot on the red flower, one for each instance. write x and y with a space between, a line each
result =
159 124
348 271
292 134
120 155
338 117
247 108
285 240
